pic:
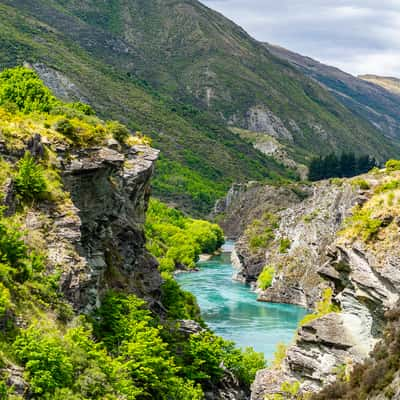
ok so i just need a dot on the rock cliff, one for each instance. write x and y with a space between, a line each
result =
97 235
341 238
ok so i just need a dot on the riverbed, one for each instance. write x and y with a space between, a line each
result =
230 308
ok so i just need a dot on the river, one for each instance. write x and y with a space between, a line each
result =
230 308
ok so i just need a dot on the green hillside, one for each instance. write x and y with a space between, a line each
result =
184 75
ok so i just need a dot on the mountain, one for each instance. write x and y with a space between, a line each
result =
369 98
389 83
193 81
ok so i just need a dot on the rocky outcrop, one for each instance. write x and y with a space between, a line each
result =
110 192
246 202
309 218
301 240
94 235
366 281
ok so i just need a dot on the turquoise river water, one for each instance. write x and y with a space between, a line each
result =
230 308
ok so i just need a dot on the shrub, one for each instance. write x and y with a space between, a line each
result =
22 86
30 182
361 183
83 108
393 165
362 224
279 355
323 307
284 245
65 127
5 300
291 388
46 360
391 185
246 364
260 232
118 131
266 277
207 354
180 304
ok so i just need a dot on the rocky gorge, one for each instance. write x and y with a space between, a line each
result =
332 243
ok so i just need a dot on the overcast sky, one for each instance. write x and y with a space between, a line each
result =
358 36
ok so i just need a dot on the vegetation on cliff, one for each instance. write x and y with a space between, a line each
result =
378 376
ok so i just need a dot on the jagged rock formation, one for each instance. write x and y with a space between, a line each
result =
362 270
98 237
110 191
246 202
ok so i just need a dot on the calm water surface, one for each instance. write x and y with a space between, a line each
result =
230 308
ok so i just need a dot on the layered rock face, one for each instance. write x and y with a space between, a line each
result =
96 237
338 237
364 288
306 226
110 191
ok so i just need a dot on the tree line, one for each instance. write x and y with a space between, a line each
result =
344 166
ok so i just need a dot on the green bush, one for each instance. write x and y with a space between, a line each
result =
279 355
391 185
22 86
118 131
363 225
47 363
15 261
126 327
65 127
284 245
30 182
83 108
180 304
266 277
207 354
323 307
5 300
260 232
361 183
393 165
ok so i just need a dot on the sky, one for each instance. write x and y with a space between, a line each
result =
357 36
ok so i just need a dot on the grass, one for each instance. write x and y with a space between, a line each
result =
266 277
323 307
260 233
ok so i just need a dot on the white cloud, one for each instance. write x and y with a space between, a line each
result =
360 36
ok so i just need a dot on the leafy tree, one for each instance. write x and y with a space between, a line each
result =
46 360
176 240
347 165
266 277
118 131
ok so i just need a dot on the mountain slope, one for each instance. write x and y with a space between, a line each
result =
196 55
200 156
183 74
366 97
389 83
